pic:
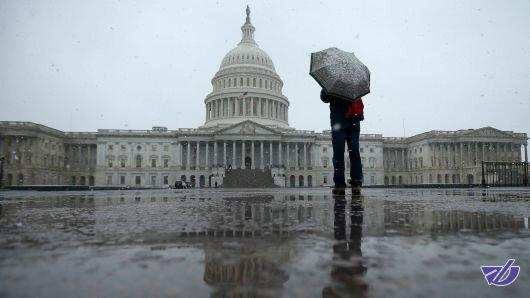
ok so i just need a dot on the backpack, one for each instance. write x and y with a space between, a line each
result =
355 110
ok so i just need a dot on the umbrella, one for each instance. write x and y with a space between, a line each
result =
340 73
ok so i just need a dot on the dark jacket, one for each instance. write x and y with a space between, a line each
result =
338 108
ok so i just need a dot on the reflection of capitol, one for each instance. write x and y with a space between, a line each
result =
246 265
217 215
157 217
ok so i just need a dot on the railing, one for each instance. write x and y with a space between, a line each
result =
504 173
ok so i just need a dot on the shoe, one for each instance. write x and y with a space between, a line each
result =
338 191
355 187
356 190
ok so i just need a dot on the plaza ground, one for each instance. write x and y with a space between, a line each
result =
262 242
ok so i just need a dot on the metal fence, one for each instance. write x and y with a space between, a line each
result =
504 173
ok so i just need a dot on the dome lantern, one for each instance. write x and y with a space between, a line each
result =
248 30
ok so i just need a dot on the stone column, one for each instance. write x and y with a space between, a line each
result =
475 154
252 114
296 156
178 160
526 152
188 156
244 108
229 103
252 162
243 152
234 154
224 154
236 106
206 159
305 156
271 155
215 149
197 155
467 160
287 161
279 153
402 162
261 155
260 112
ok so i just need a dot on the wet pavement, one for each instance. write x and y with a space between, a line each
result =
253 243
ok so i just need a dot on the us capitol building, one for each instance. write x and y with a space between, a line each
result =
246 127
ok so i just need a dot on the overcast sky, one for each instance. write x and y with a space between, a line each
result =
83 65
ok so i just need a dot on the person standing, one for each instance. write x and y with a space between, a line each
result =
345 116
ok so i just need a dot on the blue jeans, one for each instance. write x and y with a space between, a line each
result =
349 134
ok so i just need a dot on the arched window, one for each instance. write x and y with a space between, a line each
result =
138 161
248 82
241 82
260 83
253 82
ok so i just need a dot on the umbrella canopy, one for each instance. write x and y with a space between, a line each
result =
340 73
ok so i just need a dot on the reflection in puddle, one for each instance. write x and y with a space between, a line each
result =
262 243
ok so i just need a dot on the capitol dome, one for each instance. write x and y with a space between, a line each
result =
247 87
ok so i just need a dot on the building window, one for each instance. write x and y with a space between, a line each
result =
361 150
325 179
166 180
371 150
123 147
372 180
111 147
154 147
137 180
109 180
166 148
325 163
122 163
153 180
110 163
122 180
138 147
153 163
138 161
371 161
254 82
166 163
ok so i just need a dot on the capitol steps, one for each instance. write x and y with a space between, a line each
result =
248 178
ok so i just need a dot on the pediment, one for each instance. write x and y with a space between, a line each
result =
247 128
488 132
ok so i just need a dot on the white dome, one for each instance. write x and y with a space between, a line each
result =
247 53
247 87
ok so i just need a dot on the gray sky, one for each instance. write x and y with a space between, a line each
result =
83 65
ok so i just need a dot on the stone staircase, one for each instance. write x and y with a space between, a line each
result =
248 178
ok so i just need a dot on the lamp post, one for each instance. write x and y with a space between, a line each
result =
2 171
